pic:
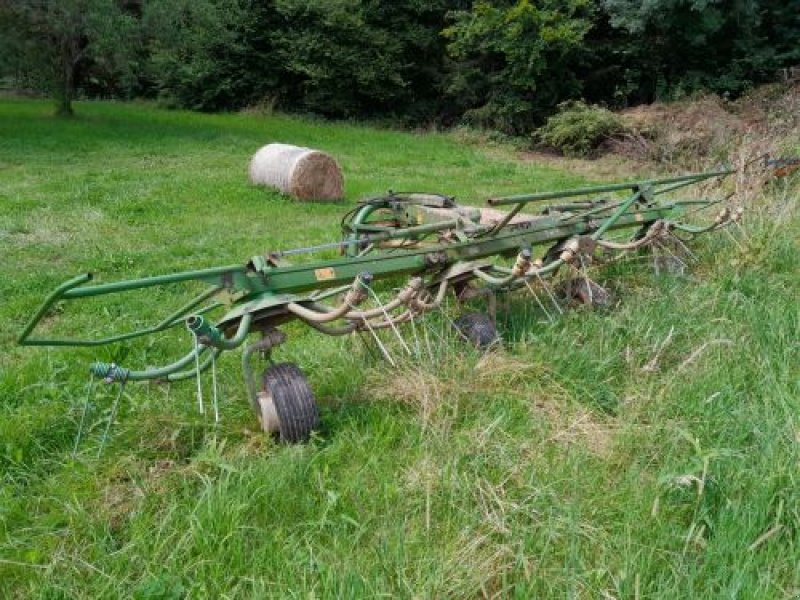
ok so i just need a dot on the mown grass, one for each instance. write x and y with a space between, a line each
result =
646 451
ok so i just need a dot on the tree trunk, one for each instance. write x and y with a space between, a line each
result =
66 93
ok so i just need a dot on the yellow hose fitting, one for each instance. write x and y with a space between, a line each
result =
412 289
523 263
358 292
570 250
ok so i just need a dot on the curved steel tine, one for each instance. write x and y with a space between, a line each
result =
84 412
538 301
111 417
389 319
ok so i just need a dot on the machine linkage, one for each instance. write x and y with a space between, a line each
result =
428 239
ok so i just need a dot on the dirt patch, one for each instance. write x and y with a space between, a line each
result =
692 134
498 370
587 431
679 132
771 109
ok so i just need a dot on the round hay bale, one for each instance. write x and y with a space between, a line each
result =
302 173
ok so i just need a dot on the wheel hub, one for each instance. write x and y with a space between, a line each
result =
268 415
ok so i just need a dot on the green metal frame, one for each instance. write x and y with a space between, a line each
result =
261 291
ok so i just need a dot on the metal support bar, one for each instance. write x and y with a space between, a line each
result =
601 189
212 275
56 295
211 336
622 209
507 219
168 322
393 234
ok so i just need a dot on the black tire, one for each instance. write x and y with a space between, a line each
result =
295 406
669 257
478 329
584 291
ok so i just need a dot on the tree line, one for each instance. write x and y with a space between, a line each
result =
499 64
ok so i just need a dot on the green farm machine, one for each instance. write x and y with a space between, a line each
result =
426 244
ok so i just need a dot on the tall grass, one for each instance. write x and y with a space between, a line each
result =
650 450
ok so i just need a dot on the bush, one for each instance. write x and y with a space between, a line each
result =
579 128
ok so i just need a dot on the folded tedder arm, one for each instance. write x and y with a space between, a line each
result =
428 238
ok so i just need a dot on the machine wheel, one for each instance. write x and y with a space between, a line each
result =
478 328
669 257
286 403
585 291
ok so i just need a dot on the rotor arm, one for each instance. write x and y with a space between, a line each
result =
230 277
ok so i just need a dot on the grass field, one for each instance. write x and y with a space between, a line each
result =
648 451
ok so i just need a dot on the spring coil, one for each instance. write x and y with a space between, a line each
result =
109 372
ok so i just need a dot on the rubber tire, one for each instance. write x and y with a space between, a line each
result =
578 290
478 328
672 259
294 402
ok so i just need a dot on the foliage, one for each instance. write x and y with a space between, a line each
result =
514 62
343 58
200 57
348 58
341 64
50 44
678 47
578 128
499 64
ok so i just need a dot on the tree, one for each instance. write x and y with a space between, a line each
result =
50 41
347 58
680 46
513 62
341 58
209 54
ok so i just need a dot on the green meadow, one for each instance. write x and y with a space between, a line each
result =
651 450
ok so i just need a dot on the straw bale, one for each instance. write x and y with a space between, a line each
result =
303 173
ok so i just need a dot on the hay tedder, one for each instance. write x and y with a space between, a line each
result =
424 243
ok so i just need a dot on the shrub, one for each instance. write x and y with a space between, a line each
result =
578 128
